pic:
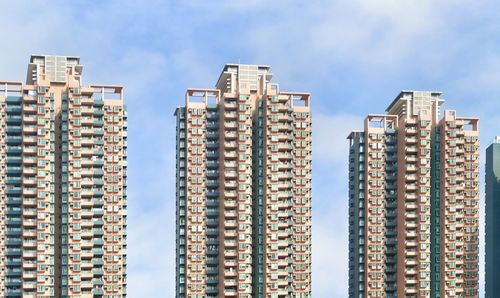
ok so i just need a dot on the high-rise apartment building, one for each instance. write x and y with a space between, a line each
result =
492 265
243 189
62 184
414 202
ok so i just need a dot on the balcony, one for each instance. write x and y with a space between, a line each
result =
212 174
98 211
13 273
212 203
98 102
98 251
230 194
411 130
14 191
13 242
98 292
230 204
392 195
230 115
98 262
230 263
212 145
13 180
231 174
98 222
212 194
14 140
212 125
230 135
212 184
212 135
230 214
13 212
411 159
212 213
411 206
230 105
98 182
30 160
212 164
13 170
230 155
98 202
14 150
13 109
391 177
99 152
230 185
411 243
411 215
16 201
212 291
212 232
13 232
411 177
98 232
97 282
13 252
13 262
212 222
411 235
13 119
212 116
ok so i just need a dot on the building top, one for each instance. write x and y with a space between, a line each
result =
40 59
353 134
416 103
53 69
496 140
244 77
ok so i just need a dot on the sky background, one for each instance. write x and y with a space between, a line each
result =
353 56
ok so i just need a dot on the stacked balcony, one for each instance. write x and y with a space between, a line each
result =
181 204
356 215
14 220
391 213
258 204
212 183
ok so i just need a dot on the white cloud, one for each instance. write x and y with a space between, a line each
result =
151 257
330 136
330 202
158 49
107 59
330 247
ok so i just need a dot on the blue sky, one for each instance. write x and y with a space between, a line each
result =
353 56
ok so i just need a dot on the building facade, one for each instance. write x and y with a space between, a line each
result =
414 202
492 264
243 189
63 184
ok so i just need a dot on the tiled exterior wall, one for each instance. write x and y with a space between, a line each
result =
299 203
379 206
492 262
460 207
420 236
356 214
60 201
3 200
259 209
